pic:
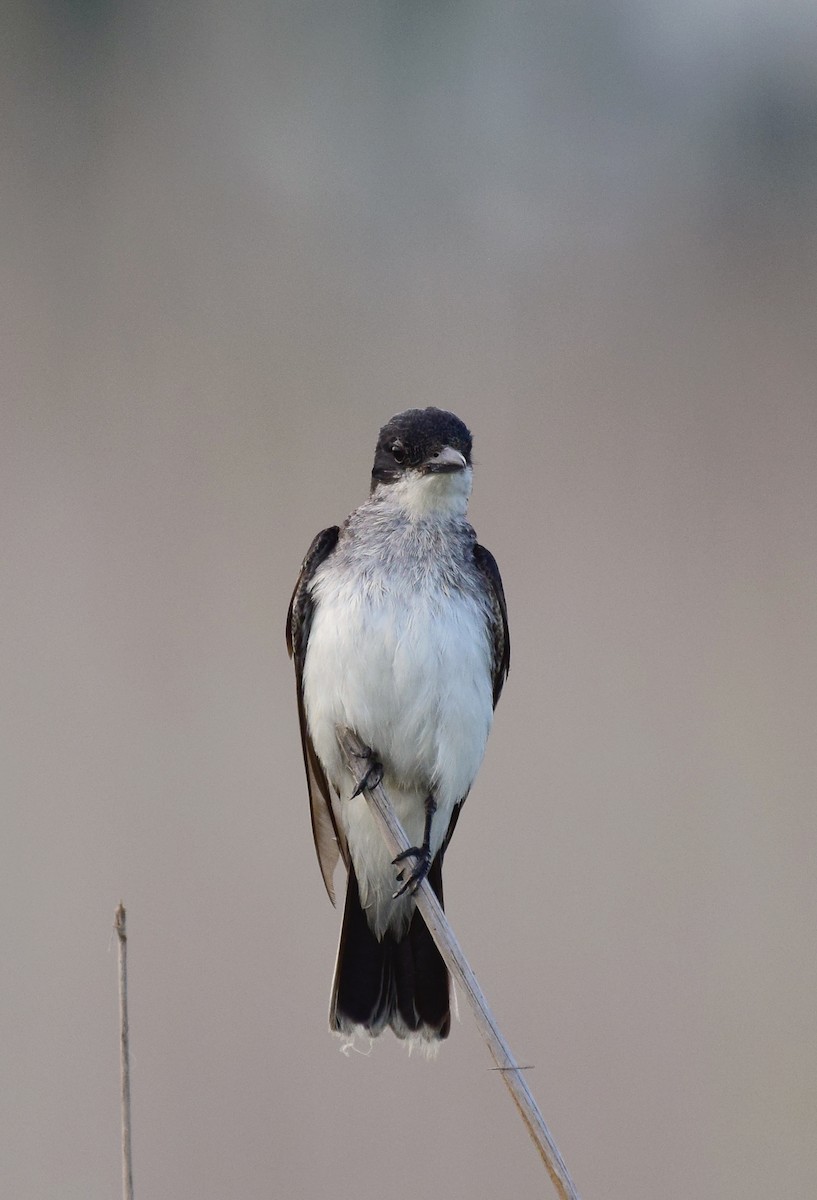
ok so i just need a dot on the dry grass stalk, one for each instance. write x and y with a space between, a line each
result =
124 1052
448 946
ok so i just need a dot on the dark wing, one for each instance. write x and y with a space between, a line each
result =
486 565
329 843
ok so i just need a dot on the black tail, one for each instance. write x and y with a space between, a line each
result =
402 983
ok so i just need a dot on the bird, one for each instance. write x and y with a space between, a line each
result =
398 628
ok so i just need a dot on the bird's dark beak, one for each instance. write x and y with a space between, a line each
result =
444 462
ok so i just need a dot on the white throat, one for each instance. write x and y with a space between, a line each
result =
419 495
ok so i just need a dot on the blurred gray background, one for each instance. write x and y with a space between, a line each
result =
235 240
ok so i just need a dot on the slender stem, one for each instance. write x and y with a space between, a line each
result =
124 1053
455 960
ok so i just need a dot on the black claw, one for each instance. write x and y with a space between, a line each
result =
421 853
412 852
373 776
423 856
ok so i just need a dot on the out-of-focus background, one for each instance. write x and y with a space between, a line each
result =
235 240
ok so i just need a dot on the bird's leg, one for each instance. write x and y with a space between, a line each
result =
421 853
374 771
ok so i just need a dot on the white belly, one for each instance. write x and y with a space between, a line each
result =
413 681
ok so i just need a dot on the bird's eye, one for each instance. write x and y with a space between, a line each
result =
398 453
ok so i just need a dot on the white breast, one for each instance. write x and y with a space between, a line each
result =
411 676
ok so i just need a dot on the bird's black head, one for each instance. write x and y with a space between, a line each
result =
427 440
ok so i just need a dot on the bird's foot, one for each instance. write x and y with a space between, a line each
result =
418 873
374 772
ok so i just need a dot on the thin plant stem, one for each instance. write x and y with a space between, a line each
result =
124 1053
446 942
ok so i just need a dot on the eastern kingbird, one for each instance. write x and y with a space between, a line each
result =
399 632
